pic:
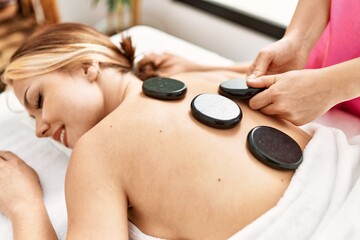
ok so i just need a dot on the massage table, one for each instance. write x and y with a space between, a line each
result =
322 201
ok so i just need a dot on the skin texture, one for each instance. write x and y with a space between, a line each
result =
148 160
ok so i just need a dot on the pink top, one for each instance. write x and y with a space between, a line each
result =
339 42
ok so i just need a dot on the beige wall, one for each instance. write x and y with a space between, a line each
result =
220 36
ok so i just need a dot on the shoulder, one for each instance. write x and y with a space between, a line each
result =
90 149
107 146
93 165
82 160
90 153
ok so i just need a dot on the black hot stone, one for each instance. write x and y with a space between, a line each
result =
274 148
237 88
216 111
164 88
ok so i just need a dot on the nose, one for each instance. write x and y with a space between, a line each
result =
42 128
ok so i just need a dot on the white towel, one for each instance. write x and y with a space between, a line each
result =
322 200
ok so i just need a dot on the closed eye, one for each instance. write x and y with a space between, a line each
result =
39 101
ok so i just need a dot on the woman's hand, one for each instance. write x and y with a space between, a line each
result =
21 199
164 65
282 56
19 185
297 96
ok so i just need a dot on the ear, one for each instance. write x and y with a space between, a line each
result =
91 71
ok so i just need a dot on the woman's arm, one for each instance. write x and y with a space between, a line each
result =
21 200
96 201
32 223
165 65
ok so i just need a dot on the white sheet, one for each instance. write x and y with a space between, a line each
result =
50 160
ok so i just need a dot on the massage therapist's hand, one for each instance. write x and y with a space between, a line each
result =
164 65
19 185
284 55
297 96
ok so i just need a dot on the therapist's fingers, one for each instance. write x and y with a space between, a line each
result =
273 110
265 97
260 100
260 65
262 82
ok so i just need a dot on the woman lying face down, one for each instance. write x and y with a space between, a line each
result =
137 158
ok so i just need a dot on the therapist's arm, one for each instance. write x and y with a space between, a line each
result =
292 51
344 79
309 21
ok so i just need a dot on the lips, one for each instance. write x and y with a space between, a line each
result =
60 136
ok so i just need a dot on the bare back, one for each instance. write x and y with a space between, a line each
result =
181 178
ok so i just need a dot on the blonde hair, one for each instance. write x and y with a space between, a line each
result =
63 46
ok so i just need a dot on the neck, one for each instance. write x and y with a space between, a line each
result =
115 85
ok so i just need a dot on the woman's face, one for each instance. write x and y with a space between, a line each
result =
65 105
